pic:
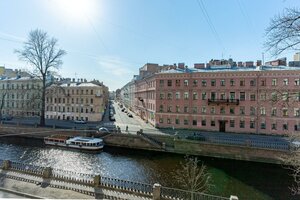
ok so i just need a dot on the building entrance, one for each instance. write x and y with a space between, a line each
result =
222 126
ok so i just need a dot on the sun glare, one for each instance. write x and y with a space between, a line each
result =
76 10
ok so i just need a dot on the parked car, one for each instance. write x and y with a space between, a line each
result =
6 117
80 121
129 115
103 130
123 109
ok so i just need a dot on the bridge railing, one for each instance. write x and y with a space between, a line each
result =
178 194
72 176
32 169
136 187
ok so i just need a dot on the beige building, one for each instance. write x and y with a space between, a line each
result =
20 96
76 100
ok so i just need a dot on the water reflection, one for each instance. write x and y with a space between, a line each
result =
247 180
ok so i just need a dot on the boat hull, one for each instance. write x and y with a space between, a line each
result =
90 148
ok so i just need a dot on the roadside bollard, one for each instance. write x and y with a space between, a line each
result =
6 164
97 180
156 191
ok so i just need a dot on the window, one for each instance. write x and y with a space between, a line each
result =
222 82
212 110
194 122
186 95
252 124
232 82
285 81
263 111
242 82
204 83
263 82
285 112
274 96
242 124
168 121
161 120
231 110
274 82
274 126
297 96
169 83
170 95
252 97
285 96
203 122
222 110
252 110
161 83
263 96
203 110
232 95
212 123
177 108
169 109
161 95
203 95
186 122
297 82
242 96
195 83
274 112
213 95
186 82
285 126
213 82
177 121
195 95
161 108
263 125
231 123
297 127
195 110
177 95
296 112
223 96
242 110
177 83
252 82
185 109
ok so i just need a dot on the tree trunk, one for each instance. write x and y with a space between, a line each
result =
42 117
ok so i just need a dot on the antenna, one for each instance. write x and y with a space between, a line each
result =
263 58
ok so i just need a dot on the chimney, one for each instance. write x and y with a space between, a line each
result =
181 65
73 80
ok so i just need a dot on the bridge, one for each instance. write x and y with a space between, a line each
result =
96 186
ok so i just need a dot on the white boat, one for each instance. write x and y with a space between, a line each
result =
78 142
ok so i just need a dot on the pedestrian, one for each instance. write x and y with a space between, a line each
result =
126 128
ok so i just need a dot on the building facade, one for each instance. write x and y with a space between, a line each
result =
76 101
247 99
20 96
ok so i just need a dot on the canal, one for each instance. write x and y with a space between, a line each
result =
247 180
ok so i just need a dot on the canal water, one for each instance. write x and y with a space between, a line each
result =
247 180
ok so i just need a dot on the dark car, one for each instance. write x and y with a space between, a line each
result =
129 115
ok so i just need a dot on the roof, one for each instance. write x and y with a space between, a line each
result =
84 84
226 68
85 139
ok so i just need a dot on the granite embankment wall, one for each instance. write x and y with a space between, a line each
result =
162 143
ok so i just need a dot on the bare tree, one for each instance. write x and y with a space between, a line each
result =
283 32
193 176
41 52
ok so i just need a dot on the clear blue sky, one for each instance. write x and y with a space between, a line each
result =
110 40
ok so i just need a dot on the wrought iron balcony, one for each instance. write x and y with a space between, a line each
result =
224 101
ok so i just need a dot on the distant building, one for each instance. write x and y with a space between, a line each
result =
297 56
278 62
76 100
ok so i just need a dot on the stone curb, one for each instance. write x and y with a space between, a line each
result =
20 193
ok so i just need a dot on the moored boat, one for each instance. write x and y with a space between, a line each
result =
78 142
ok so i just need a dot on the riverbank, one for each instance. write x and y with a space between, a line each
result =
151 142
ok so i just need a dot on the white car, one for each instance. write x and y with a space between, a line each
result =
79 121
103 130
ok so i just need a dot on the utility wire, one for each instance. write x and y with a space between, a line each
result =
210 24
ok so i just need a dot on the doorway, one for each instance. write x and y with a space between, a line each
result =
222 126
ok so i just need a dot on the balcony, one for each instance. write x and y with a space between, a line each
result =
140 99
98 95
223 101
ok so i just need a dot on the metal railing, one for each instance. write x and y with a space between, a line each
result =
178 194
136 187
32 169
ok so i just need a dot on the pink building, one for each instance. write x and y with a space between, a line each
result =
263 100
